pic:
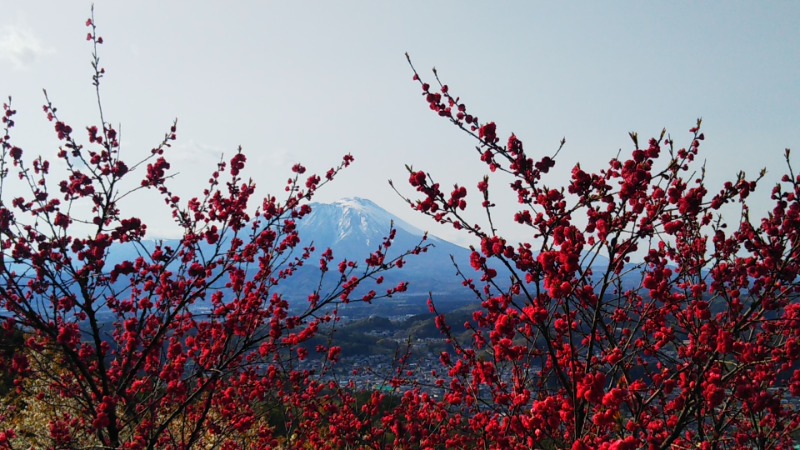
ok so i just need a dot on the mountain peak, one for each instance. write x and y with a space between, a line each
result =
354 227
358 212
356 202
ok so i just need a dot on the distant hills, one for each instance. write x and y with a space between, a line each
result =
355 227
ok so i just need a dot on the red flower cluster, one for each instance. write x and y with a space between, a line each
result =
695 346
126 345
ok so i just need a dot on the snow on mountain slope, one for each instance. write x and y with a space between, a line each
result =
352 218
354 223
355 227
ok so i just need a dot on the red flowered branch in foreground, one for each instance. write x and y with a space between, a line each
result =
636 316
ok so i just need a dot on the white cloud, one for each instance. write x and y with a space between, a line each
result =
20 47
279 158
193 152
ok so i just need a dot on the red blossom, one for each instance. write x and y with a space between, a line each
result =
185 333
596 350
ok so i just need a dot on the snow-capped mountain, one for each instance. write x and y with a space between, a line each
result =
357 224
352 219
355 227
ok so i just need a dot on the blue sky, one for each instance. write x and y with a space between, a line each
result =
310 81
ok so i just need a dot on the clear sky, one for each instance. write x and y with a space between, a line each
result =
310 81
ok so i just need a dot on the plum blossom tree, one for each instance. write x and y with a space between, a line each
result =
123 347
638 315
